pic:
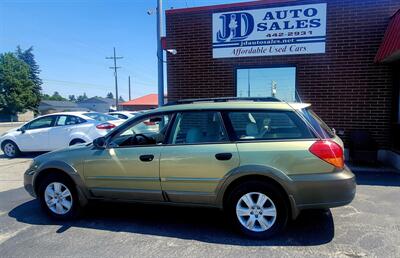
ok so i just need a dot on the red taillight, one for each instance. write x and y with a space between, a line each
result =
328 151
105 126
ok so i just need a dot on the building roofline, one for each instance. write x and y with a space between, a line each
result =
225 6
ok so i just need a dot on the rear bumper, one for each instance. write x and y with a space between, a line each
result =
325 190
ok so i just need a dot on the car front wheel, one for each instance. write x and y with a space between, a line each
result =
10 149
257 209
58 197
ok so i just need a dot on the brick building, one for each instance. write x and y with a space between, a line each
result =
328 59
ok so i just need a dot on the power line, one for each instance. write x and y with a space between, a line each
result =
115 67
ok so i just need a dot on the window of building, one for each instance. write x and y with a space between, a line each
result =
277 82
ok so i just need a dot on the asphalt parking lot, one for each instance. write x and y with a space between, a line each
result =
369 227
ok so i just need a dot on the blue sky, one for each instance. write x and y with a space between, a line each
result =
71 39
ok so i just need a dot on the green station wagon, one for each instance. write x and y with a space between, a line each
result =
261 160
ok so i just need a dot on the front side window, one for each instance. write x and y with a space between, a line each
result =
268 125
198 127
43 122
148 131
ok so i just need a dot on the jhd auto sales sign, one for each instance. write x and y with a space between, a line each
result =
288 30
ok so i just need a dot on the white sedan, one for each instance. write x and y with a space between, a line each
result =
55 131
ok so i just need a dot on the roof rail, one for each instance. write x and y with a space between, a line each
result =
224 99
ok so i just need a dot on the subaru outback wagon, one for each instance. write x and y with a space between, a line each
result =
260 160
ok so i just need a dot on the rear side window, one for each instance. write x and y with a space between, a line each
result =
69 120
320 126
268 125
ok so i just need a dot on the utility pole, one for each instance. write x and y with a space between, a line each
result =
129 83
115 67
160 55
248 82
273 88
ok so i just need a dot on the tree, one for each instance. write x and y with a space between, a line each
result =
29 58
110 95
121 99
82 97
72 98
55 96
17 90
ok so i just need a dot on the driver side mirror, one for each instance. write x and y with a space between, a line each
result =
100 143
21 129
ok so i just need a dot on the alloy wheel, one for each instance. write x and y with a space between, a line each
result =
58 198
256 212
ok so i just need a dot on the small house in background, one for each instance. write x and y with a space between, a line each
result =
53 106
98 104
149 101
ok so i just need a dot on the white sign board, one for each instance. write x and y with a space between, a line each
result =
288 30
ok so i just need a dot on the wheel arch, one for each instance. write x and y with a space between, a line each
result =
257 173
61 168
79 136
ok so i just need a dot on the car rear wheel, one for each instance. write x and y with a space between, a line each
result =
10 149
257 209
58 197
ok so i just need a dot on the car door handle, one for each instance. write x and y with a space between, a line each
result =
146 158
223 156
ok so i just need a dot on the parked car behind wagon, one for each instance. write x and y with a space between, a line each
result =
55 131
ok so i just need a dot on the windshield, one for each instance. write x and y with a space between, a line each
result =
100 117
319 125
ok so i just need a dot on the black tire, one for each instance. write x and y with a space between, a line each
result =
75 209
273 193
76 141
8 154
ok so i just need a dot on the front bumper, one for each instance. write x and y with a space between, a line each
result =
325 190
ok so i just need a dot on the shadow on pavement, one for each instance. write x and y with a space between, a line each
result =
25 155
378 178
201 224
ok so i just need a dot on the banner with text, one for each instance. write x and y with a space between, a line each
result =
289 30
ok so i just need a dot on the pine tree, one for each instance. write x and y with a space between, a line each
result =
110 95
29 58
17 90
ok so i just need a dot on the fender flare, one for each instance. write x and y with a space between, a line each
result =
256 170
83 193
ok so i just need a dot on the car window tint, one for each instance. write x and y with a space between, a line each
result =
268 125
198 127
43 122
154 128
150 125
317 123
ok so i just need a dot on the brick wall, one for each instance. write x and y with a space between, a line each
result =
344 85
